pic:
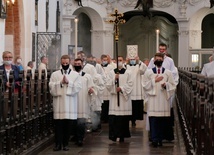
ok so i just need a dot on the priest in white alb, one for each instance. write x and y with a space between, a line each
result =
119 112
159 85
64 87
84 100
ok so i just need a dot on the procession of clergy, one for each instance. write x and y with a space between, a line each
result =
103 92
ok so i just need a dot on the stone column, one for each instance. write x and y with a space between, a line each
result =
102 42
184 57
66 31
195 39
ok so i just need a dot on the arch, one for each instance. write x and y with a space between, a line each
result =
195 27
196 19
208 31
129 14
96 20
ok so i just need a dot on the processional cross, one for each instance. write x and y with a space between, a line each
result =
118 20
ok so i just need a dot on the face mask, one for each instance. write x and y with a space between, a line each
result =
132 62
77 68
158 63
105 63
120 64
92 63
7 62
65 67
19 61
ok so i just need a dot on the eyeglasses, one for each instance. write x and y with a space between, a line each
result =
8 57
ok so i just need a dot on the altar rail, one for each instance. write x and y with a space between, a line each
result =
196 111
26 115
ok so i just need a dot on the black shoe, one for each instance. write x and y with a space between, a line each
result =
113 138
79 143
133 124
144 112
155 144
57 148
121 139
73 139
65 148
160 144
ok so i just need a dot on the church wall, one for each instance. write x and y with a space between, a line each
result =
189 17
2 38
27 27
42 16
52 15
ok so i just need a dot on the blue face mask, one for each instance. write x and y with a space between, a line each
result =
132 62
105 62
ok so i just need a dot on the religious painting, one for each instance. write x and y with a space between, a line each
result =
3 8
71 51
132 51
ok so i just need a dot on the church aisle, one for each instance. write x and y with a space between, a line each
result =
97 143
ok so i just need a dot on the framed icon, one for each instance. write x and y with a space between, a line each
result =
132 51
71 50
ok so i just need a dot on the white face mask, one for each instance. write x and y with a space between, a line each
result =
19 60
7 62
120 64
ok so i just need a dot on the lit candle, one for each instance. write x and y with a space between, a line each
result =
157 40
76 39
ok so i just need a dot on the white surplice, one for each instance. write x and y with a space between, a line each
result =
158 98
65 95
137 71
84 98
126 84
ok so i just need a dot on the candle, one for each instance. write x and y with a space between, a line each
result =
157 40
76 39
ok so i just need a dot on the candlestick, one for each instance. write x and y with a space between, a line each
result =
157 40
76 37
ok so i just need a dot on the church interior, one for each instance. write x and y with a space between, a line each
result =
32 29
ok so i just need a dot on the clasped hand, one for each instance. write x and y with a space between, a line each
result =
64 80
158 78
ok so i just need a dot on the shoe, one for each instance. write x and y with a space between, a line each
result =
73 139
121 139
133 124
113 138
160 144
57 148
155 144
144 112
65 148
79 143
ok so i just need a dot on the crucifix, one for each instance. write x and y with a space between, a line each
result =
118 20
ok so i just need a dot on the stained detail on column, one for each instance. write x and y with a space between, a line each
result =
127 3
68 7
182 10
163 3
100 1
183 33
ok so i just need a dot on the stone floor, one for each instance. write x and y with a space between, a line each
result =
97 143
